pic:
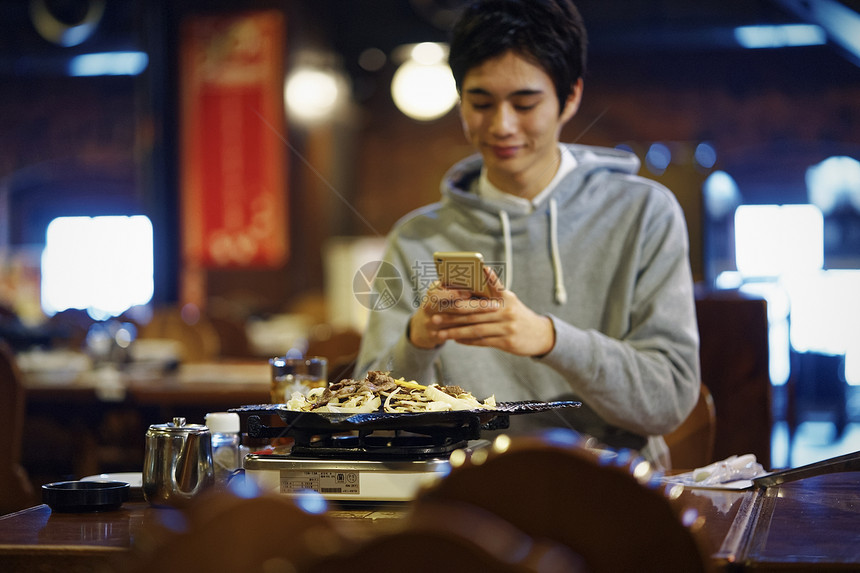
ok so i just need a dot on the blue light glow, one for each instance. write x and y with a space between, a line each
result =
174 521
788 35
658 158
561 437
242 487
108 64
722 195
833 182
623 457
778 308
689 517
312 502
706 155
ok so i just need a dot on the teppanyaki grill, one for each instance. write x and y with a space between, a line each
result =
326 421
457 425
368 457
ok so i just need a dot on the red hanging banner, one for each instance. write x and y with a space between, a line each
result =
233 160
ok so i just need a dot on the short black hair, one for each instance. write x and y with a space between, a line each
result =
550 33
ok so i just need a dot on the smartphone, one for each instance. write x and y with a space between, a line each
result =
462 270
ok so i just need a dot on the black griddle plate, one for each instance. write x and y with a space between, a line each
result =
335 422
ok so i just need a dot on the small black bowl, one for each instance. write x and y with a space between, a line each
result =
85 496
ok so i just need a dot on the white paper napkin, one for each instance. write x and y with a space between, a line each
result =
734 472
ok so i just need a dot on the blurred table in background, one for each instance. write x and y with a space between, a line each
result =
94 421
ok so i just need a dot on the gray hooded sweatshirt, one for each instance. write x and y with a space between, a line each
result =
604 256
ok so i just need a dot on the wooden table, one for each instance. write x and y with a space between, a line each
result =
37 539
810 523
813 522
97 422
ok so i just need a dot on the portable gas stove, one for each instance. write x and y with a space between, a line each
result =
368 457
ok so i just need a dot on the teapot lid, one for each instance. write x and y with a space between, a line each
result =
178 426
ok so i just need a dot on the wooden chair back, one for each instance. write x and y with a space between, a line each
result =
465 541
691 445
198 338
232 337
339 346
16 491
608 511
221 531
734 352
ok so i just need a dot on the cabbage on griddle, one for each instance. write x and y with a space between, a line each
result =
379 391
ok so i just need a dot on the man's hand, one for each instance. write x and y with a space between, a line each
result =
500 321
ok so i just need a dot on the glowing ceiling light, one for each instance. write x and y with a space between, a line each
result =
787 35
313 94
108 64
423 87
428 53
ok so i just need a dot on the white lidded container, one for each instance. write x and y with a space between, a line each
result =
226 440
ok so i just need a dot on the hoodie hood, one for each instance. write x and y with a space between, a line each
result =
459 182
459 186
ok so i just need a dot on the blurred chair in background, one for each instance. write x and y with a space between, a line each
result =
312 304
691 445
16 491
220 531
734 352
17 334
232 336
339 346
69 328
336 342
453 538
197 336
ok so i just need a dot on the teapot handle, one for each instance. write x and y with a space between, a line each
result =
192 470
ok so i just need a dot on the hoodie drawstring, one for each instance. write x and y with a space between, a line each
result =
560 293
509 257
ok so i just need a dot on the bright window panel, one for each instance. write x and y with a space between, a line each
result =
778 308
825 315
771 240
101 264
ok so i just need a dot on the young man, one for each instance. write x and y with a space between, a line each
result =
594 298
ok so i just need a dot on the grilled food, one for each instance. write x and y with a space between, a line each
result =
381 392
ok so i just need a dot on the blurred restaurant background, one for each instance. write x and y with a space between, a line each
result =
198 182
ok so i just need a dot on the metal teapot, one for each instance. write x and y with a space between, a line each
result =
177 464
